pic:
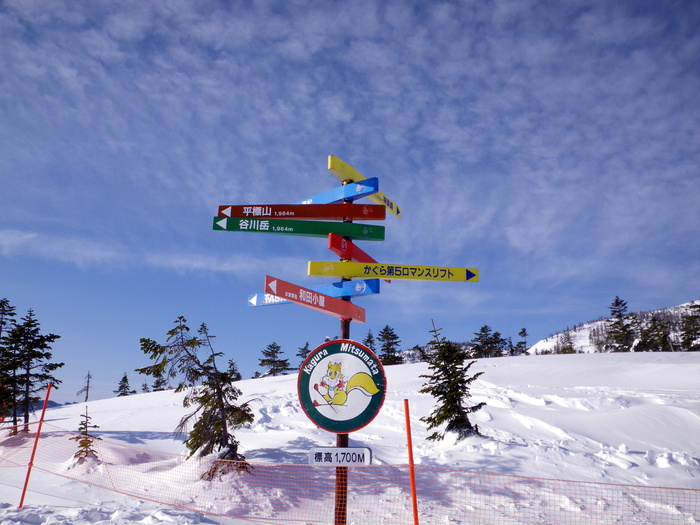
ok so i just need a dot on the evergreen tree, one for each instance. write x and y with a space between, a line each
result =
621 332
8 369
598 337
521 346
389 346
370 342
273 362
507 347
422 352
303 353
7 315
417 354
488 343
215 399
233 372
655 336
30 367
690 330
565 344
124 389
86 389
85 440
160 383
449 385
145 388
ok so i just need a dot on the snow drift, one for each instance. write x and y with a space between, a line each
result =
629 419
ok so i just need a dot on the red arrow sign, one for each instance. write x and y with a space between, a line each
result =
346 249
314 300
343 212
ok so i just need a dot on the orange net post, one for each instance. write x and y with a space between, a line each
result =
36 444
411 465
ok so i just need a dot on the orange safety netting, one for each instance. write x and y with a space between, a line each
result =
377 494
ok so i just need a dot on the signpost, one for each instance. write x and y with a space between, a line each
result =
346 192
300 228
346 249
344 310
392 271
341 384
338 290
345 172
342 212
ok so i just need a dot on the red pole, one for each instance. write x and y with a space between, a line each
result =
411 465
36 444
342 441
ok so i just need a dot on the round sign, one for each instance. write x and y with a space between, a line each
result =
341 386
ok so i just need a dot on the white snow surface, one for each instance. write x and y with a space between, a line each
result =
631 418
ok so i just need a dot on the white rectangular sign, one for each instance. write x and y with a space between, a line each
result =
337 456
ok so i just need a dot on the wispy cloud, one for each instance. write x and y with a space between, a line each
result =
96 253
555 146
563 136
72 250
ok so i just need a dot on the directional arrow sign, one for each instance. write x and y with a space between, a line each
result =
345 172
393 271
314 300
346 249
346 192
339 289
343 212
265 299
302 228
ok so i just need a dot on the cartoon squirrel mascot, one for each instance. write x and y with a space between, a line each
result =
337 389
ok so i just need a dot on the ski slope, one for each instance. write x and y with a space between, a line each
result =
631 418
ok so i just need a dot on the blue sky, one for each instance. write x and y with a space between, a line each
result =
553 145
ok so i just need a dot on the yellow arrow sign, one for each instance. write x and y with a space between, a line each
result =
345 172
392 271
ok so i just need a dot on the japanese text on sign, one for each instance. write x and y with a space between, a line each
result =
392 271
389 204
340 456
257 211
408 271
246 224
307 296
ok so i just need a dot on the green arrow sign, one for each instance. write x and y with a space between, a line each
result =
302 228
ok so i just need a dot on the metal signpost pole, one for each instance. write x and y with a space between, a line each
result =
342 441
341 486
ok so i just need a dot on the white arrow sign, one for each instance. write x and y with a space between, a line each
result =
273 286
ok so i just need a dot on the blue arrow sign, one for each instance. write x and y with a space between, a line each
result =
339 289
346 192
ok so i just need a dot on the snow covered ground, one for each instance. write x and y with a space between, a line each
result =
630 418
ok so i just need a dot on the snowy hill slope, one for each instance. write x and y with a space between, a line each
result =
629 418
584 336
